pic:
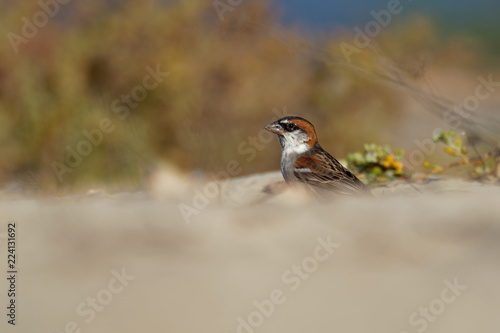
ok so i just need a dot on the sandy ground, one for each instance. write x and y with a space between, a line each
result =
407 261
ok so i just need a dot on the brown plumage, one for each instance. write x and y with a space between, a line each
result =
303 160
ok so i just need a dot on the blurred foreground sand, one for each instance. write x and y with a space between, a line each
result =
391 260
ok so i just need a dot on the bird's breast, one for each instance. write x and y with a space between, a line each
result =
288 167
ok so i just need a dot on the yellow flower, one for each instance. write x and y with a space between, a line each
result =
437 169
389 159
398 166
450 151
427 164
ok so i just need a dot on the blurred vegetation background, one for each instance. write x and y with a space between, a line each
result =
224 80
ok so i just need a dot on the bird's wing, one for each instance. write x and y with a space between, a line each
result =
324 171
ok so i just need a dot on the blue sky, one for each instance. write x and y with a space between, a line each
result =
479 18
329 13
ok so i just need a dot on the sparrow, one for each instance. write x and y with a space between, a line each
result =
304 161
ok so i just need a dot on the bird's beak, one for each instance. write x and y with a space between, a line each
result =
275 128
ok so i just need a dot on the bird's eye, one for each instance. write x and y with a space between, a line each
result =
290 127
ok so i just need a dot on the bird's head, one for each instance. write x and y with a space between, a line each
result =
295 134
